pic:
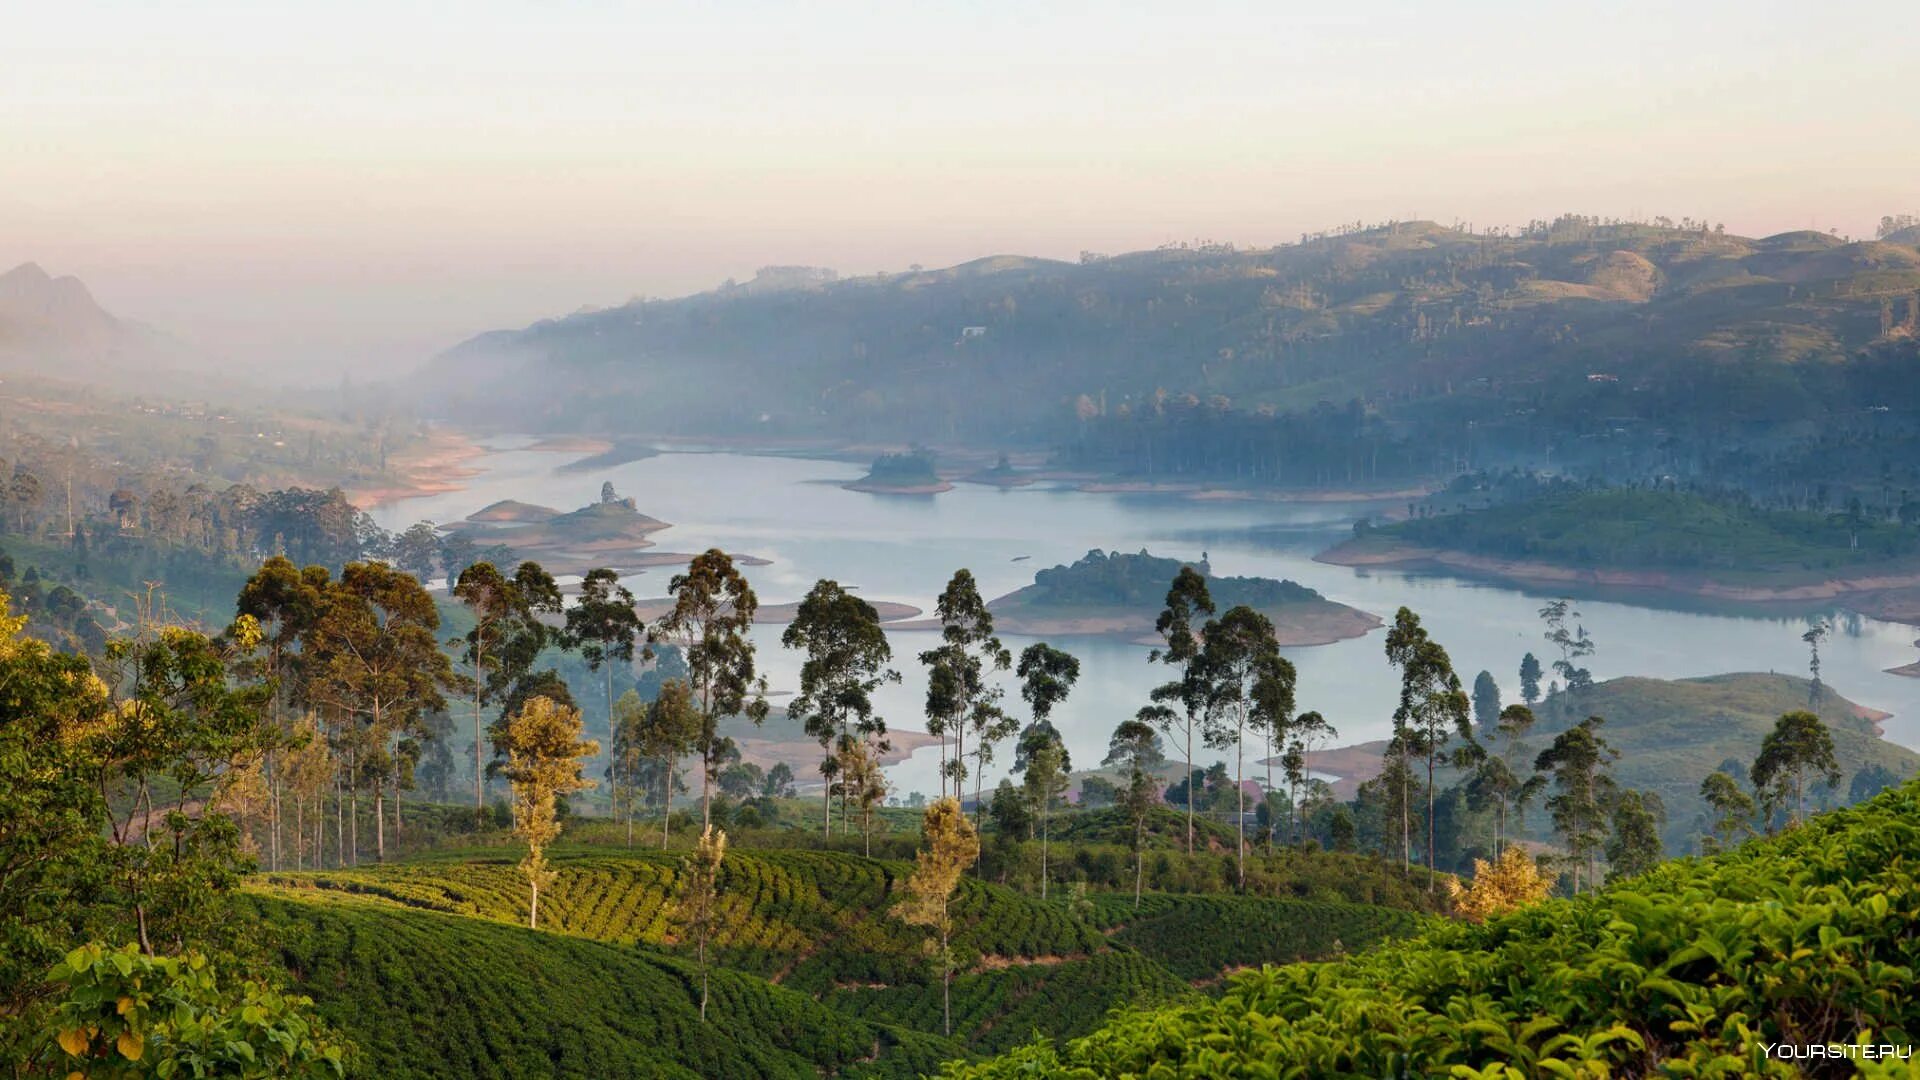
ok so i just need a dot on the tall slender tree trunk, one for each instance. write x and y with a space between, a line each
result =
959 759
1430 830
1240 788
273 807
946 982
666 799
479 766
299 832
1266 796
1406 823
1046 818
379 821
339 823
1189 783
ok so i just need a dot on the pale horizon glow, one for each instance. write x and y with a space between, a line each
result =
355 186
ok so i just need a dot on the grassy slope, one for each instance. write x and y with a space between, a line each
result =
1672 733
1686 971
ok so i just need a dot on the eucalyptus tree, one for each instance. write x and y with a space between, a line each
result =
1799 744
669 728
416 550
1496 779
1136 747
603 626
958 693
285 603
507 637
1047 675
1433 708
1188 601
1733 809
712 615
1635 846
1574 644
846 661
1579 764
377 660
1045 782
1251 688
1817 632
1304 735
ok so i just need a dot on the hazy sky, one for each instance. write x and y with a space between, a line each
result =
351 184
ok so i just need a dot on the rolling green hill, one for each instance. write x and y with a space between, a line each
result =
1687 971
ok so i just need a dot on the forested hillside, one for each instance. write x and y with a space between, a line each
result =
1399 351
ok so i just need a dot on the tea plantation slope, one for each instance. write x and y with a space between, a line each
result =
1002 1007
1687 971
426 995
1199 937
807 920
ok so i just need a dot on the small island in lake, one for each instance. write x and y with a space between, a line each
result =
907 473
1113 594
610 532
1719 548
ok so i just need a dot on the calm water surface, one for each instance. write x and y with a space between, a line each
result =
792 512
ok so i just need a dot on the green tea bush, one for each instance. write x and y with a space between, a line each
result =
1687 971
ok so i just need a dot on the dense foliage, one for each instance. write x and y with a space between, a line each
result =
1690 969
1116 579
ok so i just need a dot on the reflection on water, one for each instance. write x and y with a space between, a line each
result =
793 512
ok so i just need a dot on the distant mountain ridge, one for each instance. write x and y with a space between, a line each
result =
53 326
1410 321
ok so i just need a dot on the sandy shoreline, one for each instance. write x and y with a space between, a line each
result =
898 489
1865 588
1199 492
434 467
